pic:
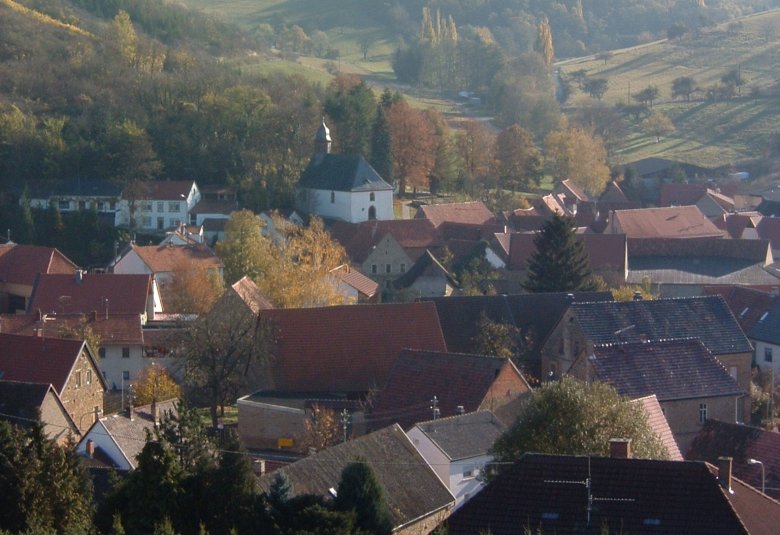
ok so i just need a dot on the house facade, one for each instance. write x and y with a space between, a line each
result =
158 206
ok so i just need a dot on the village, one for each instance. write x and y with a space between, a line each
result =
422 347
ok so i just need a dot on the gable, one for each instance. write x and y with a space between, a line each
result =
35 359
341 172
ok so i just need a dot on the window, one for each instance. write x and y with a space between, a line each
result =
371 196
388 268
89 377
125 352
82 205
112 205
160 223
63 205
767 354
102 352
146 207
702 413
101 206
78 379
173 206
403 268
146 221
160 207
373 268
175 222
332 196
126 375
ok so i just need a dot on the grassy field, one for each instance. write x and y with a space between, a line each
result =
711 134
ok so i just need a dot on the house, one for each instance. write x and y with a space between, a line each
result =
343 187
103 293
19 265
690 384
765 335
22 403
418 500
426 278
680 222
68 365
166 262
458 448
159 206
210 209
354 286
709 319
607 253
659 424
712 203
742 443
533 315
424 385
119 438
70 196
681 268
330 356
121 351
471 213
579 494
740 225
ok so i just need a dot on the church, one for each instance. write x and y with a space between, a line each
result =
343 187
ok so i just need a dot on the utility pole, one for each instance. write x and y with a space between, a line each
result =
435 407
345 416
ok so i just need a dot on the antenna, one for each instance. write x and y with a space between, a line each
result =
435 408
345 418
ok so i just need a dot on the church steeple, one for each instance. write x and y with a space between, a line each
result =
322 141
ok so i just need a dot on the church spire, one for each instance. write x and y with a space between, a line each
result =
322 141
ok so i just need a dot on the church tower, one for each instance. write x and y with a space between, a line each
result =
322 142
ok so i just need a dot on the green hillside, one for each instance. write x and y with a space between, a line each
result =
708 132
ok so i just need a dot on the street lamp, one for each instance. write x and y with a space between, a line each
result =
763 473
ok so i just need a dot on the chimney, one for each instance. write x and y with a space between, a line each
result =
130 411
460 410
90 449
620 448
258 467
724 472
79 276
154 410
637 295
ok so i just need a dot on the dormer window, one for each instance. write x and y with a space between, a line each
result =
332 196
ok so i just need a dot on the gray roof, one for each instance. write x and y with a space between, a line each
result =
74 188
20 401
670 369
698 270
411 488
706 318
130 435
341 172
767 328
464 436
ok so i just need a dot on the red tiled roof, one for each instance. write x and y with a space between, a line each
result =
606 252
658 423
213 206
769 229
747 304
475 213
34 359
114 329
672 222
125 294
455 379
577 192
356 280
348 348
681 194
169 258
735 224
19 264
359 239
170 190
250 294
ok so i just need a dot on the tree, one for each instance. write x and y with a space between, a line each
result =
381 146
154 384
222 352
495 338
658 124
596 87
476 147
518 161
676 31
123 37
352 107
365 43
734 78
245 251
683 86
560 263
570 417
647 95
321 429
413 140
359 491
544 42
194 288
575 154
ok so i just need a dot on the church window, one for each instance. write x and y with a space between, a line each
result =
332 196
371 196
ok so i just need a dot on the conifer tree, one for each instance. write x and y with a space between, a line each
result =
381 148
544 41
359 491
560 263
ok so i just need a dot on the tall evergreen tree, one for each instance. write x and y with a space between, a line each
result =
560 263
381 149
359 491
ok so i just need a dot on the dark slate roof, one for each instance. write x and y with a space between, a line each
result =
411 488
706 318
341 172
360 239
74 188
427 265
464 436
767 327
741 442
534 314
670 369
20 402
548 492
455 379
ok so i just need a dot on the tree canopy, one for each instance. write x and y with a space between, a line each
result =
571 417
560 263
575 154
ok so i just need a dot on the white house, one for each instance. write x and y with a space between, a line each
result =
342 186
456 448
159 206
80 194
